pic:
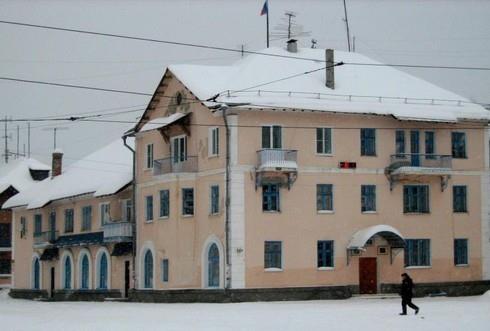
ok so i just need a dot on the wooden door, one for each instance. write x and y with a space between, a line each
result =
367 275
51 287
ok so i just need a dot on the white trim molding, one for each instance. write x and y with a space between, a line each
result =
98 256
212 239
81 254
147 246
33 258
67 254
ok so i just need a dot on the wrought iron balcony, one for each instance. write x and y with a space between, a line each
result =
172 165
118 231
45 238
278 166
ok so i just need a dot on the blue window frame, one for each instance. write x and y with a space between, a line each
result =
148 270
149 208
149 156
417 252
67 266
38 225
368 142
86 218
430 144
68 220
103 271
459 199
37 274
400 143
165 270
460 251
164 203
213 266
273 254
416 199
368 198
458 145
325 254
324 197
324 141
85 272
270 197
272 136
187 201
214 208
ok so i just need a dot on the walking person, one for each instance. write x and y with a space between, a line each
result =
407 294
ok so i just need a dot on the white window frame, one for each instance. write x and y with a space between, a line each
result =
271 126
101 214
152 208
331 141
124 210
213 142
211 199
172 139
149 157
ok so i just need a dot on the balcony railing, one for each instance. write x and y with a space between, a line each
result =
118 231
279 159
171 165
421 160
45 238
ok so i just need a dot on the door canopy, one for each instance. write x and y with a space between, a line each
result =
390 234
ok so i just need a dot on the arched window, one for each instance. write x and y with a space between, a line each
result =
67 284
85 272
36 271
213 266
103 271
148 270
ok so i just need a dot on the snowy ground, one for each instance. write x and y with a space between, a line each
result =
464 313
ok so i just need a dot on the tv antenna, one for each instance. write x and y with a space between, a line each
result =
288 28
55 130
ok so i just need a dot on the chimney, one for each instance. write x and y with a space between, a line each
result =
56 165
329 73
292 46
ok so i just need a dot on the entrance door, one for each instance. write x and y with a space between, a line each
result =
126 278
415 148
51 287
367 275
213 266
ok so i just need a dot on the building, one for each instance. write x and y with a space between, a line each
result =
72 234
16 176
279 177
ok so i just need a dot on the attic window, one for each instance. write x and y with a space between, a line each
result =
179 98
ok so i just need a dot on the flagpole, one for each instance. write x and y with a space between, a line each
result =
267 20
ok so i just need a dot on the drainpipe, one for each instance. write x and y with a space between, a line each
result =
224 109
133 210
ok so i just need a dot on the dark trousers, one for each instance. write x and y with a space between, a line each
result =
407 301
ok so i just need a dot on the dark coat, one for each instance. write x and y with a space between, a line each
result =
407 288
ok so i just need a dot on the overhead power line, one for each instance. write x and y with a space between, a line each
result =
241 51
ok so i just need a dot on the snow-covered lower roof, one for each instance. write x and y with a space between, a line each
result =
161 122
391 234
103 172
359 89
17 174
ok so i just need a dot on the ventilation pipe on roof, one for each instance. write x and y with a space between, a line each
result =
57 163
292 46
329 72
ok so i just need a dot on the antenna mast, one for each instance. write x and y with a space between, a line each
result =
347 26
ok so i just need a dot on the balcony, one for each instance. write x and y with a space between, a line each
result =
419 168
276 166
118 232
171 165
45 239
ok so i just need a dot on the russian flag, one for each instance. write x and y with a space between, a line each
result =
265 9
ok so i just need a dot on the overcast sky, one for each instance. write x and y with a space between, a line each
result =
452 33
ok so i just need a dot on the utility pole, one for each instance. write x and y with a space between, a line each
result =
347 26
290 15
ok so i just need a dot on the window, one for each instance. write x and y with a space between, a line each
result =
179 149
324 197
325 253
417 252
214 207
270 197
272 136
165 270
23 227
36 270
400 143
459 199
164 203
460 251
368 142
149 208
38 225
430 144
213 142
272 255
148 270
67 274
368 198
187 201
324 141
103 271
126 210
86 218
85 273
458 145
68 220
105 213
415 199
149 156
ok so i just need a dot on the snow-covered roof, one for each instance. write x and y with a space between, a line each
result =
161 122
363 89
360 238
16 173
103 172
